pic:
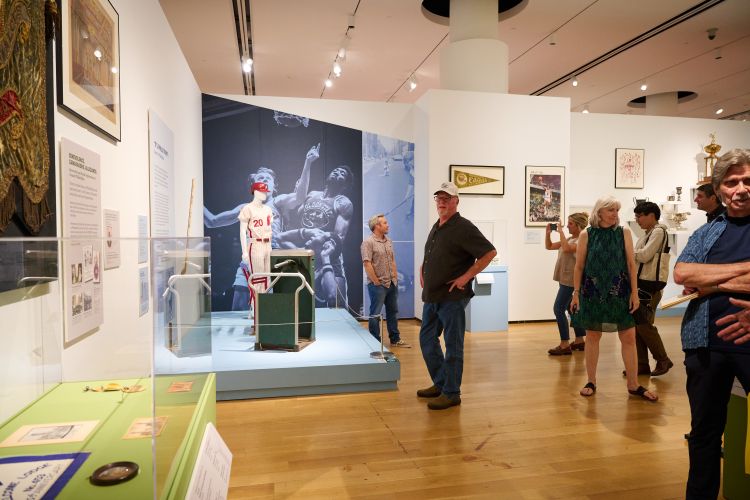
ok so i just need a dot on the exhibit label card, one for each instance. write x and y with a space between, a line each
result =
38 476
210 479
65 432
161 163
112 241
82 257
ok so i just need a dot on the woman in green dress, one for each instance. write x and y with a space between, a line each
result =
605 292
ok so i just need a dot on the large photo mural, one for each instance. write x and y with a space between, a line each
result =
315 175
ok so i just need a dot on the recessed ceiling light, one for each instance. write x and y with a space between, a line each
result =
719 111
644 86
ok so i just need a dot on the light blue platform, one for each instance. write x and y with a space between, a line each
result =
338 361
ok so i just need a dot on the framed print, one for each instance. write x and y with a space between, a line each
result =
476 179
88 69
545 195
629 168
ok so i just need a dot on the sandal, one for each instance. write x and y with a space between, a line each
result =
591 386
641 393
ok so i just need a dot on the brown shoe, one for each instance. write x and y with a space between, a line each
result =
443 402
578 346
560 351
662 367
430 392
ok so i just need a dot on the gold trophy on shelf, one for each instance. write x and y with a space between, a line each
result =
710 160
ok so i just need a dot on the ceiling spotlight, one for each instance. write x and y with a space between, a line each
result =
552 40
328 83
717 54
247 65
719 111
98 54
337 69
644 86
585 109
341 54
574 82
412 83
114 69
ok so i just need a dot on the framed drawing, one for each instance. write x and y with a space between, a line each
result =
476 179
545 195
88 63
629 168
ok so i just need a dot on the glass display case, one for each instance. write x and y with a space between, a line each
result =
82 406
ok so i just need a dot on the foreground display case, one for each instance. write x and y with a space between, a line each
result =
83 413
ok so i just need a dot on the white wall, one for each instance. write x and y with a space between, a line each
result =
153 75
477 128
673 157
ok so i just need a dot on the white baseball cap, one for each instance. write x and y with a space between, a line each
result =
449 188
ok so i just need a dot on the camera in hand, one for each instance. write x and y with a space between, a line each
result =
553 227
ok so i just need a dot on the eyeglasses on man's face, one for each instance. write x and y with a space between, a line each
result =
443 198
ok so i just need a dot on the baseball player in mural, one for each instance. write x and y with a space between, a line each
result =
256 230
281 206
325 217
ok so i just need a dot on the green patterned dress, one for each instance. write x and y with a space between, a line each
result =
605 286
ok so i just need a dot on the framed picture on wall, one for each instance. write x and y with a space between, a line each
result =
476 179
545 195
88 63
629 168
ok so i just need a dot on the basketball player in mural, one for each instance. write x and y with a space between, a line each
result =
325 217
256 230
282 208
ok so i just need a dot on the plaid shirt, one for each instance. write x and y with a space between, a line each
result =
694 331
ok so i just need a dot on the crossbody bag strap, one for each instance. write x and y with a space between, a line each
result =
640 267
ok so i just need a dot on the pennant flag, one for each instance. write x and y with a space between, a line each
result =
465 179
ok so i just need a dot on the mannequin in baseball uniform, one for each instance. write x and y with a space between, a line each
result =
256 220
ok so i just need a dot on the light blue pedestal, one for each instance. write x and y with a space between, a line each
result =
488 310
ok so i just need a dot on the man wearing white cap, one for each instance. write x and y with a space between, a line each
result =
256 220
455 252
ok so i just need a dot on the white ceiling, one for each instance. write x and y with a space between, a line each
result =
295 42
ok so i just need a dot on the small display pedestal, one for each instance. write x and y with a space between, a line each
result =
488 310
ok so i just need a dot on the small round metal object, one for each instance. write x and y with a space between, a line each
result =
114 473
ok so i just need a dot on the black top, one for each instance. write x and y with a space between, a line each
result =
710 216
732 246
451 249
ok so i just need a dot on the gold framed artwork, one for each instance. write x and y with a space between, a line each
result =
478 179
545 195
88 69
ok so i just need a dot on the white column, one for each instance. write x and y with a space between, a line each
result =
475 60
664 104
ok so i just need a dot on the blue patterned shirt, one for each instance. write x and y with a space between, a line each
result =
694 331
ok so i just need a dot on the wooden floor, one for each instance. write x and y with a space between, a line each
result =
522 431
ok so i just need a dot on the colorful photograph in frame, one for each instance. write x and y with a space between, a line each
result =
629 168
545 195
88 70
476 179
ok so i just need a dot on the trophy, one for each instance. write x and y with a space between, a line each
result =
711 159
678 189
678 218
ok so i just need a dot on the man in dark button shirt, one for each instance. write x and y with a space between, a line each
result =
706 200
455 252
716 263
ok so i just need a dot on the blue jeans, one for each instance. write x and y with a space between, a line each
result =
562 303
446 318
380 295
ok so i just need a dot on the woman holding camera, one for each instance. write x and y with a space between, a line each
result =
606 292
563 274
